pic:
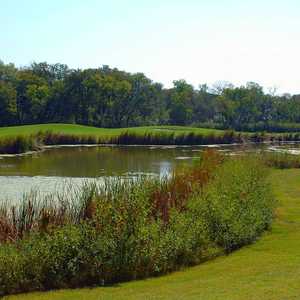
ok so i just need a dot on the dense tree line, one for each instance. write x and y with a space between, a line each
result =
106 97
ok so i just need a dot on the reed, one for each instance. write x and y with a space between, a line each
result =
43 214
281 160
19 144
127 229
175 192
50 138
131 138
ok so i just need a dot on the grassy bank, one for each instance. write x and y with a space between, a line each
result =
20 139
268 269
130 230
72 129
32 137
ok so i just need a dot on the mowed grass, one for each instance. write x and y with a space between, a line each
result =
268 269
72 129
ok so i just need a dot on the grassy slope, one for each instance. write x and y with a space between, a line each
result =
268 269
88 130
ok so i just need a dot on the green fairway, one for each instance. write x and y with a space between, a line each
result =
268 269
99 132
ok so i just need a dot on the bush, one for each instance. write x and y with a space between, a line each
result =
238 203
125 230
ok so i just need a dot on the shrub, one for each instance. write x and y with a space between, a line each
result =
238 203
129 229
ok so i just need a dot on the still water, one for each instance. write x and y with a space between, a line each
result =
53 169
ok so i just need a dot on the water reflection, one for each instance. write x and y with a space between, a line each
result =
90 161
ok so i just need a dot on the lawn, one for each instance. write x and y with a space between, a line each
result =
268 269
73 129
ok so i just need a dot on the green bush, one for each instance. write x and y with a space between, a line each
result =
122 233
238 203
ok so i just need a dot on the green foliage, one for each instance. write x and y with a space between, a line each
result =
19 139
35 137
238 203
243 275
124 230
106 97
8 103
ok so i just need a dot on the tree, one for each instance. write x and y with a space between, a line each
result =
108 97
49 72
181 102
8 104
32 93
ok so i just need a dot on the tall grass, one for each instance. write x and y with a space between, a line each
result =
21 144
175 192
163 138
50 138
281 160
36 214
128 229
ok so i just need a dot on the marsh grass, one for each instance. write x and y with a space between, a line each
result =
165 138
19 144
254 272
281 160
128 229
175 192
37 213
16 144
51 138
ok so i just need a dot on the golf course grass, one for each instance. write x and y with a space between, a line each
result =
72 129
268 269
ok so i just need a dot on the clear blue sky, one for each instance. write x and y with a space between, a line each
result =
202 41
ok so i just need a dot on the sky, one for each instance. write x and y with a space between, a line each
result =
201 41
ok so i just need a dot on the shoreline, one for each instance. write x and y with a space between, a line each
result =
153 146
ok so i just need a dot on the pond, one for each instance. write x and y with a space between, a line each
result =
56 168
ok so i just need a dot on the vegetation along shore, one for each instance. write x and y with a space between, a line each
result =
125 230
20 139
150 150
267 269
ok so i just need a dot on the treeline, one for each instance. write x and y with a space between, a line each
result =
105 97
